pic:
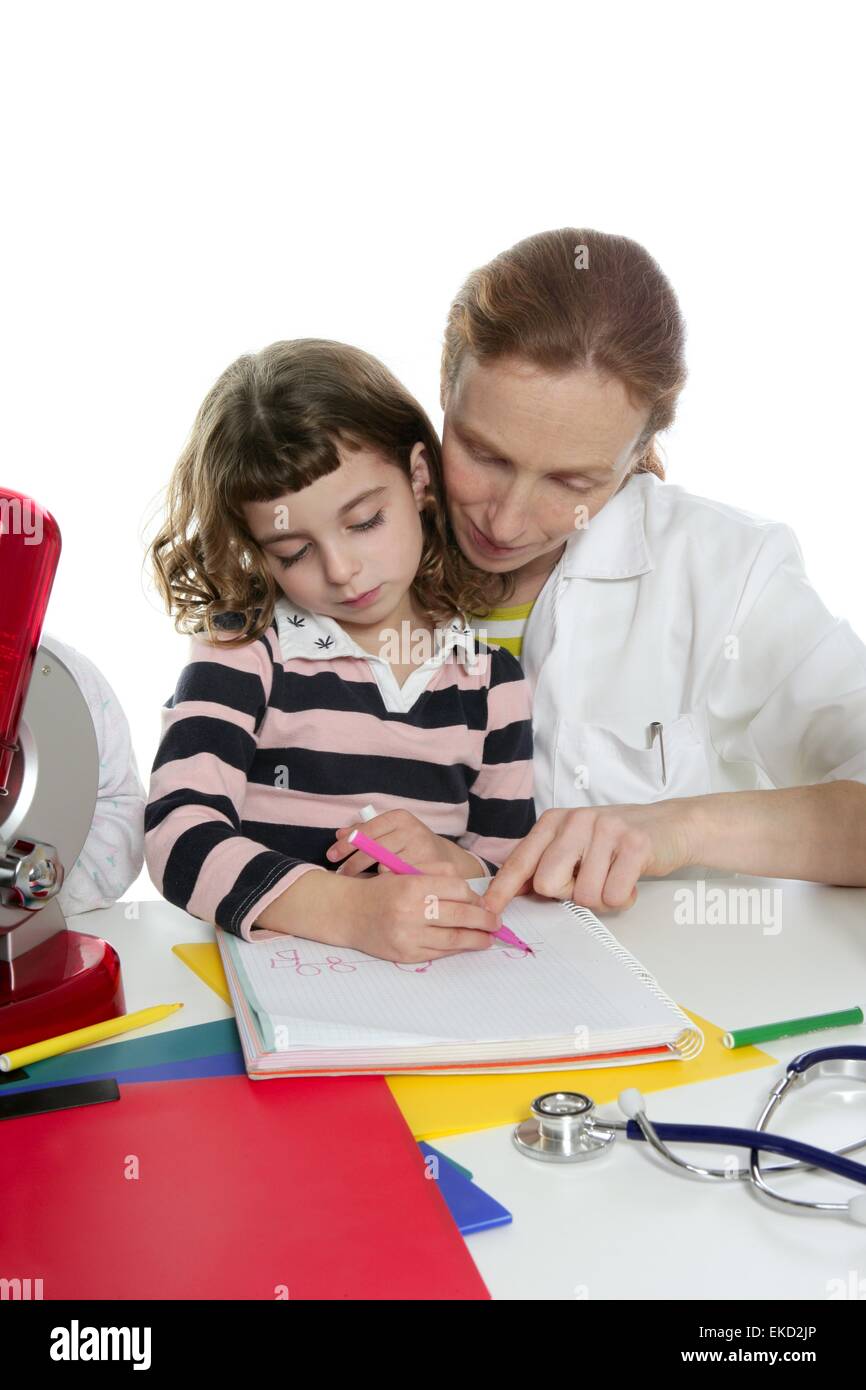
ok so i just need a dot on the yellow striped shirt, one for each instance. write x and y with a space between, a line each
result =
503 626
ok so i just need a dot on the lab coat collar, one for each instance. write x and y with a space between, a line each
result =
316 636
613 545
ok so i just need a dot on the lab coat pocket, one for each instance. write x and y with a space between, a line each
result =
595 767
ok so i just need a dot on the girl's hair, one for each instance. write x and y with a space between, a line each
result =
268 426
577 298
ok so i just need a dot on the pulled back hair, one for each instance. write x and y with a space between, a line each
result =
577 298
268 426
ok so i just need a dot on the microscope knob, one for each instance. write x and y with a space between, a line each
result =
30 874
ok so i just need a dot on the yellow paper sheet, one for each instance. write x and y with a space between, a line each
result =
203 958
436 1106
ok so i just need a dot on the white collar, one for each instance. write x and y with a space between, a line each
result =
316 636
614 544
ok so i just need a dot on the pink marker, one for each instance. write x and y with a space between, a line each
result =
399 866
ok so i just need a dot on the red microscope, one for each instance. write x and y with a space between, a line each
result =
52 979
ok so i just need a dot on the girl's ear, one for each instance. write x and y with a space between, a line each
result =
419 468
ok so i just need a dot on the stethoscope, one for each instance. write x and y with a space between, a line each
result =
565 1129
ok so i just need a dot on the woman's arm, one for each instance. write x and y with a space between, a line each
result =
595 855
815 833
113 853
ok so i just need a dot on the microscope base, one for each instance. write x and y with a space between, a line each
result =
67 982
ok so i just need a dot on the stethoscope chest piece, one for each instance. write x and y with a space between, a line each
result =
562 1129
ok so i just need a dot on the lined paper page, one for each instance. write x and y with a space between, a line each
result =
323 996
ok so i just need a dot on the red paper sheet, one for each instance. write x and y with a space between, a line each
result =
312 1185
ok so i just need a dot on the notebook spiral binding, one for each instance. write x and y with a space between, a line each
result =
691 1040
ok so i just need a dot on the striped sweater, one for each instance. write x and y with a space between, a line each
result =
266 749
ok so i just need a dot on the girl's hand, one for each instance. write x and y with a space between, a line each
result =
411 918
404 835
595 855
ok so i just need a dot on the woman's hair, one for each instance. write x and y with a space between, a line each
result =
269 426
577 298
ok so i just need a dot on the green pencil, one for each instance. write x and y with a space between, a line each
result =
769 1032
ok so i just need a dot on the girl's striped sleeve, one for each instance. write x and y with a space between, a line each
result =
501 805
195 850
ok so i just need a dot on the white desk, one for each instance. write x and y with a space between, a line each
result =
623 1226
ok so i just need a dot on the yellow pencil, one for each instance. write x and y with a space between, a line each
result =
81 1037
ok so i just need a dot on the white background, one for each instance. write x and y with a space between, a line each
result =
187 182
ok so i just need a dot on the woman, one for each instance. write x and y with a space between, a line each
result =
634 604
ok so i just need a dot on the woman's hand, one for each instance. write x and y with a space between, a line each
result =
412 918
596 854
407 837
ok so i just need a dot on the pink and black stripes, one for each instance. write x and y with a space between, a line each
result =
262 758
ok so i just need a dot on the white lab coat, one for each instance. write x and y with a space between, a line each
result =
113 853
673 608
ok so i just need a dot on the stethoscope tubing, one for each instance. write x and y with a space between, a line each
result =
803 1154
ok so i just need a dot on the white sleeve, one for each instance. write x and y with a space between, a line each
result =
788 691
113 853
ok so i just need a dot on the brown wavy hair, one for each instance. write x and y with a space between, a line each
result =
617 314
269 426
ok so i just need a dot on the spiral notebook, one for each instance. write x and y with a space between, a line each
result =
579 999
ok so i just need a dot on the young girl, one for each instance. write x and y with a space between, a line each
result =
307 540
